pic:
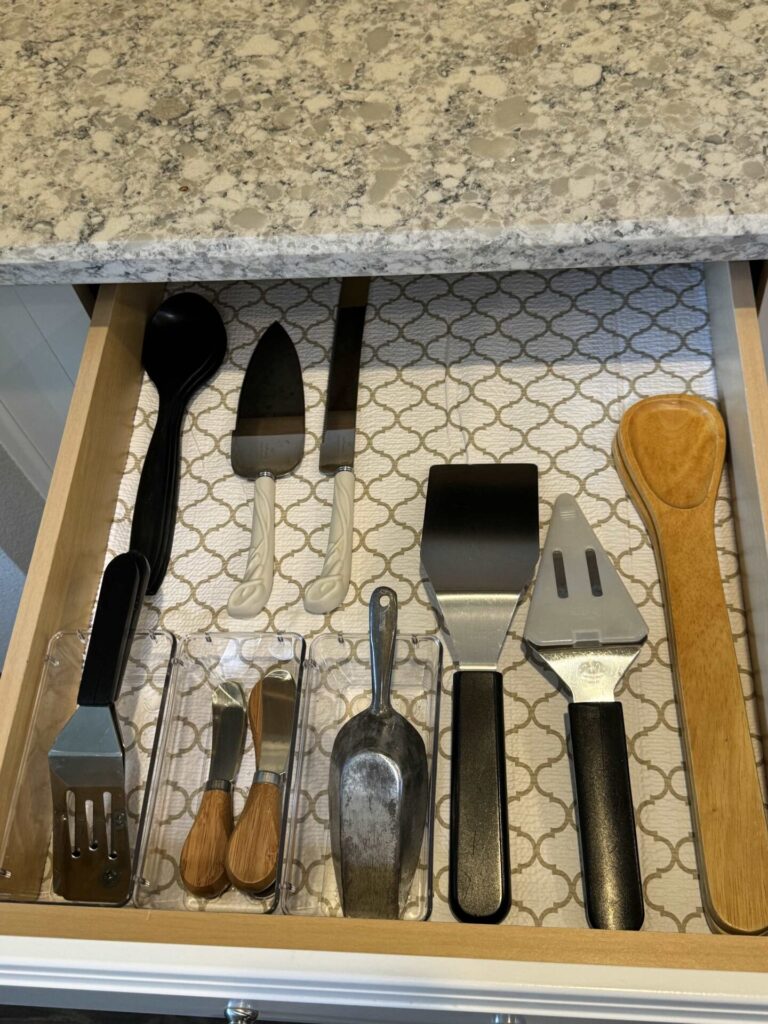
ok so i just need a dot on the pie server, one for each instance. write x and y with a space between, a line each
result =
583 624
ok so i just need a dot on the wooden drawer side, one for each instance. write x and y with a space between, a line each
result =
69 551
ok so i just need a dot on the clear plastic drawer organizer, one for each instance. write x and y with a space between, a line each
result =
26 850
203 661
337 686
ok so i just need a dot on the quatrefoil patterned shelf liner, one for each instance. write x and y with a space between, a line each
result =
528 366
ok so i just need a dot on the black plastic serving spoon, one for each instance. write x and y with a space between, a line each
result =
184 345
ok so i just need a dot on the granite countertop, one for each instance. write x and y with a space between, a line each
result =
256 138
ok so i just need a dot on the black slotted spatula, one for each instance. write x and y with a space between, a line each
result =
479 548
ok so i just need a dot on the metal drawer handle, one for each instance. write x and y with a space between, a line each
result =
239 1011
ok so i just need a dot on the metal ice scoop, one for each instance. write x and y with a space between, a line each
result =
378 788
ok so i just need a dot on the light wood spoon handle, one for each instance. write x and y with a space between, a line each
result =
252 851
673 449
202 862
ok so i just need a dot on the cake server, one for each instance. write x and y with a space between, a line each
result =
583 624
337 448
91 851
479 547
268 441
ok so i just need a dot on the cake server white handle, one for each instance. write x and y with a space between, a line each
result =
329 589
249 597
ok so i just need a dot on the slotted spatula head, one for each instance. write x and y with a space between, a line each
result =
92 855
579 598
479 548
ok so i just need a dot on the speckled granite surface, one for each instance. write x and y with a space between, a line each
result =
257 138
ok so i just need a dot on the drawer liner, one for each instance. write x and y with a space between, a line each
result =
528 366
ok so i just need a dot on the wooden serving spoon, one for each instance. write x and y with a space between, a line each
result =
671 451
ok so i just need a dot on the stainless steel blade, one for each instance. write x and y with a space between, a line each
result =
278 695
579 597
582 622
269 433
228 733
590 673
479 548
337 448
91 850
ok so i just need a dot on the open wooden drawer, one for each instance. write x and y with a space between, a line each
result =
64 577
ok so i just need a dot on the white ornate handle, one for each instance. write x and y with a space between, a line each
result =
329 589
249 597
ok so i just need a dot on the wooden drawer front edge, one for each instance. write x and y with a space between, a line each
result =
390 938
64 576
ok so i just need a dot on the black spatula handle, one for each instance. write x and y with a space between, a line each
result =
612 886
479 848
154 514
117 612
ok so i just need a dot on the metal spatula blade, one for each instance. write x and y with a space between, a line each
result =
91 851
479 547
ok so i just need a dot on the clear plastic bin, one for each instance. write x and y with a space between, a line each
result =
337 686
26 857
204 660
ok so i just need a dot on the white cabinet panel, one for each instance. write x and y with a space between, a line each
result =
61 319
42 333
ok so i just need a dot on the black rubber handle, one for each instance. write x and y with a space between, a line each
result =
117 611
154 514
612 886
479 848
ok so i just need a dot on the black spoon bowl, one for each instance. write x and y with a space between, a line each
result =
184 345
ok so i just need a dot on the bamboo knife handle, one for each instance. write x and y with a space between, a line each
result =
673 448
202 862
252 851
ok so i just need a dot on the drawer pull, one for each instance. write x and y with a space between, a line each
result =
239 1011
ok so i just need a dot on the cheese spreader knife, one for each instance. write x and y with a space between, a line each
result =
201 864
583 624
479 547
337 448
268 441
254 844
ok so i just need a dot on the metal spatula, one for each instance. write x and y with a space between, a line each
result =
479 547
91 851
584 625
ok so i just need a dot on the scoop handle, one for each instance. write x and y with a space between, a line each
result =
613 890
479 844
382 619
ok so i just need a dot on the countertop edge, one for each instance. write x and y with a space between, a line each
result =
448 251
